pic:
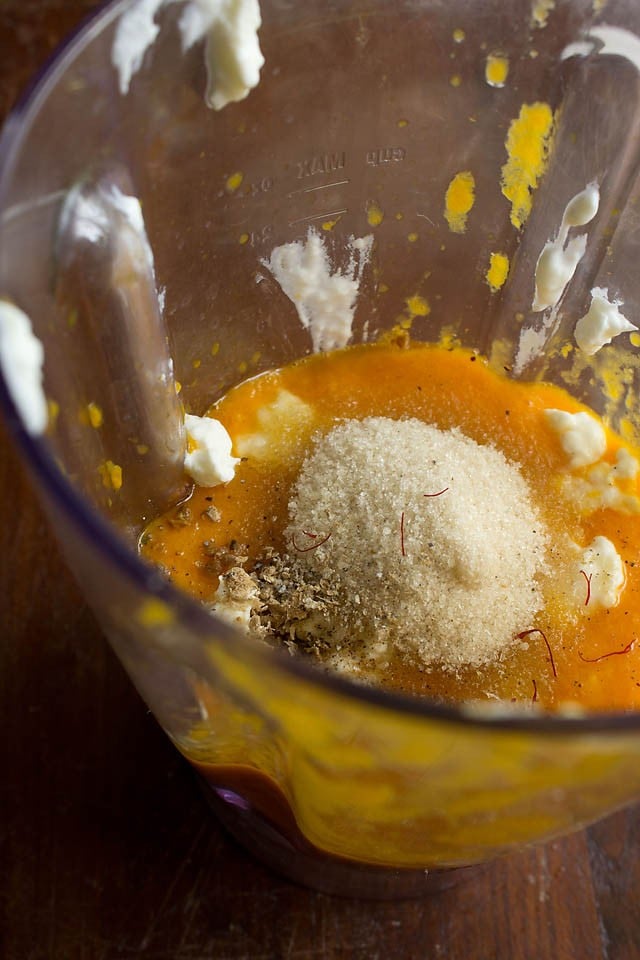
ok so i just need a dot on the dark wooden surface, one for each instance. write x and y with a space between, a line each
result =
107 849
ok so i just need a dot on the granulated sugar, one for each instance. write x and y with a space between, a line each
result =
430 541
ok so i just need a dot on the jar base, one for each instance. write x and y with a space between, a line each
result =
323 872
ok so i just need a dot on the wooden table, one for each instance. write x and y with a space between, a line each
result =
107 849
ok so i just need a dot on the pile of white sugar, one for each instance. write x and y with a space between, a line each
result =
430 541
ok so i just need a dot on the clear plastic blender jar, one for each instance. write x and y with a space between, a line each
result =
134 226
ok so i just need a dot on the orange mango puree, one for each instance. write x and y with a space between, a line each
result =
588 660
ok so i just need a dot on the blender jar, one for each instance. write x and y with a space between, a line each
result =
134 229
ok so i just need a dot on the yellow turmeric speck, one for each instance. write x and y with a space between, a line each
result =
399 216
398 332
53 408
540 11
459 200
383 288
613 380
255 358
458 35
329 224
528 145
498 270
635 339
244 238
375 216
178 386
155 613
243 366
496 70
215 349
418 306
403 123
142 449
500 354
72 318
455 80
94 414
627 430
234 181
111 475
566 349
196 364
448 338
412 237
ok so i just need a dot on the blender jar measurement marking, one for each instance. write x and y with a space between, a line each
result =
253 189
260 236
320 186
323 163
264 185
319 216
385 155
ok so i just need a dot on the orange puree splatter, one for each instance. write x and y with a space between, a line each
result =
375 215
528 144
498 271
590 658
496 70
459 200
